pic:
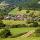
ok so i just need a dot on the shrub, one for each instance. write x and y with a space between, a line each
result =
13 26
35 24
18 26
5 33
27 11
22 25
20 8
29 21
2 24
37 32
29 25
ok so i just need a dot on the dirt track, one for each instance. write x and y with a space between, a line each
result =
28 34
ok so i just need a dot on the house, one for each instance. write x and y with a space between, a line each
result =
7 17
19 17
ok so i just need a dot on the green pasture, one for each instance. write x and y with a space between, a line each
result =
20 30
29 38
16 11
16 31
11 22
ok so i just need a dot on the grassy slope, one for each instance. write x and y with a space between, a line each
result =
11 22
16 11
16 31
29 38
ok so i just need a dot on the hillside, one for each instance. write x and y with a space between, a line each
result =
23 3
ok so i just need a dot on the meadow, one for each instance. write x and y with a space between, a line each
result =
16 11
11 22
16 31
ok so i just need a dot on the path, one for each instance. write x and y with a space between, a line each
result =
28 34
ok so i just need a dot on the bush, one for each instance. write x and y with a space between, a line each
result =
29 21
22 25
2 24
27 11
37 32
29 25
35 24
20 8
32 24
5 33
18 26
13 26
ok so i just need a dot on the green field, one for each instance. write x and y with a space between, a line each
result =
16 31
11 22
29 38
16 11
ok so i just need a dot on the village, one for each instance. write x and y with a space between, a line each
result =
21 17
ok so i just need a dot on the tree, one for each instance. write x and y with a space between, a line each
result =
35 24
37 32
5 33
20 8
27 11
2 24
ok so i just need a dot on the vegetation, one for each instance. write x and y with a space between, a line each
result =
20 8
37 32
2 24
27 11
18 18
5 33
35 24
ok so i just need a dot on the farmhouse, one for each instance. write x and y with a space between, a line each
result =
19 17
7 17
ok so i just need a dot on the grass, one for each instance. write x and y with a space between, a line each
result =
1 30
28 38
16 11
11 22
16 31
